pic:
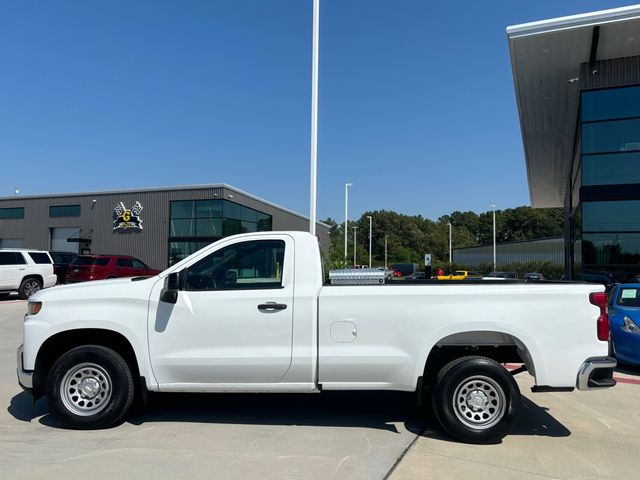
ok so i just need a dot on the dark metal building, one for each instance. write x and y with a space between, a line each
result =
159 226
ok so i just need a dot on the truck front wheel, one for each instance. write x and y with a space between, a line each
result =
476 400
90 387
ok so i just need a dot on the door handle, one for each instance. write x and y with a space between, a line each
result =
271 307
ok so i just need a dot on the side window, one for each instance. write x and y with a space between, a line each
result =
137 263
123 262
39 257
11 258
256 264
7 258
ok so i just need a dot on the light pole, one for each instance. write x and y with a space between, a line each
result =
450 227
314 116
385 251
355 239
346 217
494 236
369 217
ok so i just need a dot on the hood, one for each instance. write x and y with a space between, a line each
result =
113 288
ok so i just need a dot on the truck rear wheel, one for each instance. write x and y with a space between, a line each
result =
476 400
90 387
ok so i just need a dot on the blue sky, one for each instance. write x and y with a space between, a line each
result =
417 106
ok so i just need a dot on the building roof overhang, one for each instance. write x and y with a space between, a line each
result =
545 60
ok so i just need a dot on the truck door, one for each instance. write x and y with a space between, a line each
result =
232 322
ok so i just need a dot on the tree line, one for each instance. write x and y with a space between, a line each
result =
410 237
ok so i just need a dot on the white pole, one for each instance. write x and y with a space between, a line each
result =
385 251
314 116
369 217
449 245
494 236
346 217
355 238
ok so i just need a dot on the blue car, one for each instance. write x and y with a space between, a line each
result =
624 317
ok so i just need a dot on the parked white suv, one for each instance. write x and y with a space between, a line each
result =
25 271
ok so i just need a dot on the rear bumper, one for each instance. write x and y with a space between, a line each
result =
596 372
49 280
25 378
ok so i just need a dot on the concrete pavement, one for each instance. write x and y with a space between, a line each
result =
361 435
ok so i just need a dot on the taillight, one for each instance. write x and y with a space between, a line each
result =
599 299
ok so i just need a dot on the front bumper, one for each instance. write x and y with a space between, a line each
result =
596 372
25 377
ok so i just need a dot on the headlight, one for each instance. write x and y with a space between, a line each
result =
630 326
33 308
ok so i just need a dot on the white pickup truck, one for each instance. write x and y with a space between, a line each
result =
250 313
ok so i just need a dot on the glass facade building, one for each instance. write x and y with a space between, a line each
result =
605 185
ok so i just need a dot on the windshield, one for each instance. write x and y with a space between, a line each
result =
629 297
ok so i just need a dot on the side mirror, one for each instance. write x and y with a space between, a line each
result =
171 288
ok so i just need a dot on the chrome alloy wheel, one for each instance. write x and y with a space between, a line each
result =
479 402
86 389
31 287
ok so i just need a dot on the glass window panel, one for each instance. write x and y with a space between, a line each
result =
11 258
611 216
231 227
208 208
64 211
209 227
182 209
611 169
629 297
264 225
249 214
12 212
183 228
11 242
247 265
181 250
602 137
40 257
137 264
249 227
89 260
611 103
232 210
610 249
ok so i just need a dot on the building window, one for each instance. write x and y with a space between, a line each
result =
610 103
612 217
608 251
196 223
64 211
612 169
613 136
607 233
17 212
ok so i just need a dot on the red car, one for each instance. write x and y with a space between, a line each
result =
99 267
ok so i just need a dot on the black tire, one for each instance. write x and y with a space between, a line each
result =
28 287
476 400
107 387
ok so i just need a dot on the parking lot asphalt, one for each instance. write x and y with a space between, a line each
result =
342 435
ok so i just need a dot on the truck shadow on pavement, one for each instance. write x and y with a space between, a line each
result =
376 410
